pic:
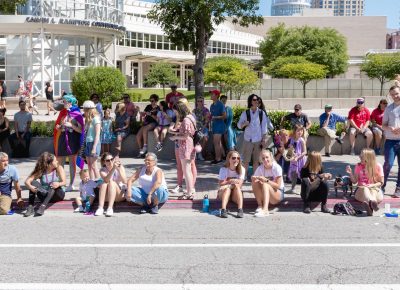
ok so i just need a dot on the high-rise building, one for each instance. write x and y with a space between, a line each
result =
341 7
289 7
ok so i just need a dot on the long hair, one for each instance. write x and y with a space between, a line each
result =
43 163
380 103
183 110
314 162
103 158
370 162
164 106
120 107
250 98
238 168
89 116
296 128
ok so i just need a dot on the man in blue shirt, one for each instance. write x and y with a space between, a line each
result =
218 115
8 176
327 124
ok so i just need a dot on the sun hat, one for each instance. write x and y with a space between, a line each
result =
88 105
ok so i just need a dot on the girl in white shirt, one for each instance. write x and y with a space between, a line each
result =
231 178
267 183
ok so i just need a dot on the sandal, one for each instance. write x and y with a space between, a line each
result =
186 196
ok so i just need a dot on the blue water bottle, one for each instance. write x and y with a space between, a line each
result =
87 206
206 204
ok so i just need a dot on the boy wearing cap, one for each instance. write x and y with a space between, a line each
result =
173 97
359 117
297 117
327 124
218 115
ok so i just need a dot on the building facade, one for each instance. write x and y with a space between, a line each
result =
289 7
341 7
393 40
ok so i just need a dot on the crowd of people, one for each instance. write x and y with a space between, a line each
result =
85 137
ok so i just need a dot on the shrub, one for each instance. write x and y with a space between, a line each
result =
42 129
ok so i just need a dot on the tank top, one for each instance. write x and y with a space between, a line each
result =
146 182
48 178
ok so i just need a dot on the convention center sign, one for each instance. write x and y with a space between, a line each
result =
74 22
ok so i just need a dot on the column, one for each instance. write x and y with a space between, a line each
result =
182 68
140 75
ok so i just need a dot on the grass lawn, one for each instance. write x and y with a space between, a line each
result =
147 92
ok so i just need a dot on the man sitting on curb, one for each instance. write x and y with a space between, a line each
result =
327 124
8 175
359 117
297 117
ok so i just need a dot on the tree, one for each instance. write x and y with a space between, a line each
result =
303 72
191 23
323 46
9 6
108 82
275 66
383 67
161 73
231 74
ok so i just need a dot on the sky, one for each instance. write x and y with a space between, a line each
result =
389 8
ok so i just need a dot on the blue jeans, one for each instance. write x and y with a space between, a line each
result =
392 150
139 196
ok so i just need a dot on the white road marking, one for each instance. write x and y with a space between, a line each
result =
254 245
43 286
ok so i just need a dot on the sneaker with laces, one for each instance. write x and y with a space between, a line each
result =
143 209
261 214
240 213
29 211
154 209
223 213
143 151
109 212
70 188
177 189
158 147
99 211
258 209
79 209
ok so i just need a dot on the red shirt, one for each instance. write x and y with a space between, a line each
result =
130 108
359 117
377 116
172 98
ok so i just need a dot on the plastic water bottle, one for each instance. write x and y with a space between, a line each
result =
87 206
387 207
206 204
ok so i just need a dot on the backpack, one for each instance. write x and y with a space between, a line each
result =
198 135
345 208
260 115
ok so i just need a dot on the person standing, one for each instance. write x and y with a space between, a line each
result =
230 136
218 115
4 127
173 97
22 123
49 96
3 95
99 107
256 124
203 117
8 176
359 117
391 127
327 124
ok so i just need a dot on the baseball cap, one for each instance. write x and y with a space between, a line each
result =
215 92
88 105
328 106
360 101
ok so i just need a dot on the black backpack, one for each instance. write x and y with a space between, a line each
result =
198 135
260 115
345 208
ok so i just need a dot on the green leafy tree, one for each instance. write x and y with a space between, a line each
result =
191 23
303 72
108 82
9 6
231 74
323 46
161 73
275 66
383 67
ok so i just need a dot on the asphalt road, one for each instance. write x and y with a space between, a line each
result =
184 247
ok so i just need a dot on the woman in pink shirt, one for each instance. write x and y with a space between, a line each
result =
368 174
376 124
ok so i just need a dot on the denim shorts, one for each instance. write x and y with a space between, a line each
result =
89 147
140 196
218 127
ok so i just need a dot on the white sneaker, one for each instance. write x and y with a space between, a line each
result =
258 209
70 188
109 212
79 209
99 211
397 192
143 150
177 189
261 214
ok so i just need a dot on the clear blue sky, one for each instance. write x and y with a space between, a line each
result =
389 8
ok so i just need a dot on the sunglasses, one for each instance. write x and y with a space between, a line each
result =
256 100
360 103
235 158
296 110
108 160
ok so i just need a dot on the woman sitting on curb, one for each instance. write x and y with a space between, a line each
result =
114 178
49 189
152 188
368 174
314 186
231 178
267 183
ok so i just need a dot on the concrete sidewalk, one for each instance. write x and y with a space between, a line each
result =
207 183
